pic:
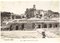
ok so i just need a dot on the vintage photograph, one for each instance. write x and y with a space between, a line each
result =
30 19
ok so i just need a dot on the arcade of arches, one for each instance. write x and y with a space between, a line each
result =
31 26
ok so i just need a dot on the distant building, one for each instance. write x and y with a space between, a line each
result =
33 12
30 12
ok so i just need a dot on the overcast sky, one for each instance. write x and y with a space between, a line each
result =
19 7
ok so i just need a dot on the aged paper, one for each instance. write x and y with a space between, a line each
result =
32 21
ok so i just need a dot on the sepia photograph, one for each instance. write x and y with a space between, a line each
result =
30 19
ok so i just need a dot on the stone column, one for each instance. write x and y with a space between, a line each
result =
36 25
18 27
52 25
47 25
41 25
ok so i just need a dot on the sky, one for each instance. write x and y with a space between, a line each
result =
19 7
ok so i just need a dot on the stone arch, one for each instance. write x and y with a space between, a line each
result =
44 25
17 27
39 26
50 25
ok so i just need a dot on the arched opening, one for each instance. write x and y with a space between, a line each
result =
16 27
50 25
39 26
55 25
44 25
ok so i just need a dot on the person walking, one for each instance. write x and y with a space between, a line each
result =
43 34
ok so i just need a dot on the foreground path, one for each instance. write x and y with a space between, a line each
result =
27 34
20 34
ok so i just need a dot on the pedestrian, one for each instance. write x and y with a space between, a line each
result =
43 34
